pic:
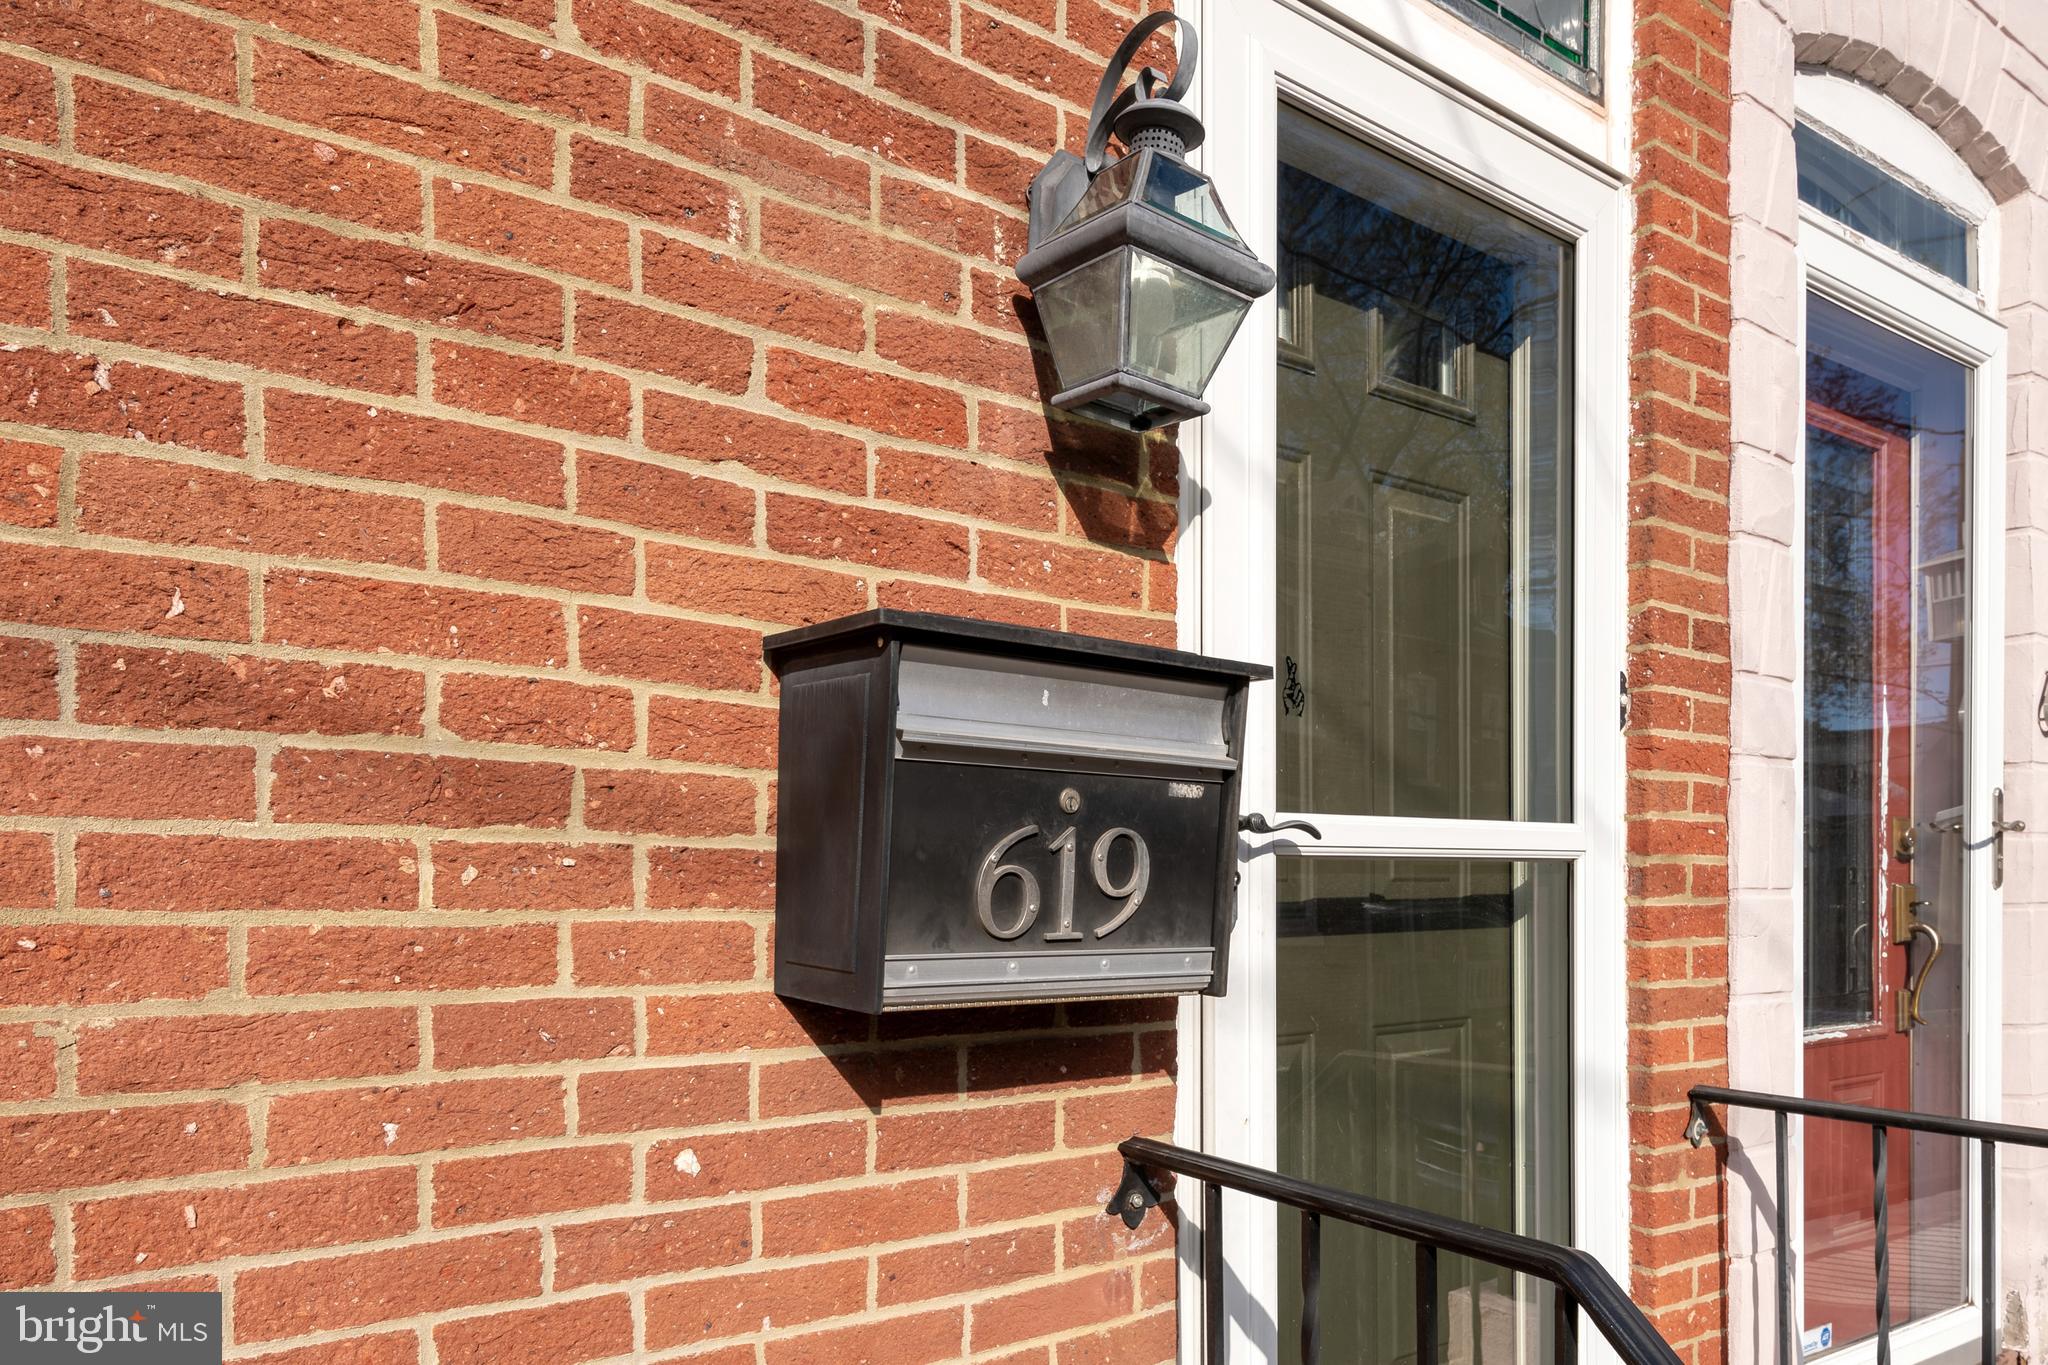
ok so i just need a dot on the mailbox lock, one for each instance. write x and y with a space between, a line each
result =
1070 800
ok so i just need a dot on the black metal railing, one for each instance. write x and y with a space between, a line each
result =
1988 1136
1580 1281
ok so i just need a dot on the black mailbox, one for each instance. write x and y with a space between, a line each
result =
975 813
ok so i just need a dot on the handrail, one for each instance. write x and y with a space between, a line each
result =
1580 1281
1783 1108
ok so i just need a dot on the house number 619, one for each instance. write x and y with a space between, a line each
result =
1131 891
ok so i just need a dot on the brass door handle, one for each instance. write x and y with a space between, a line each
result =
1909 1002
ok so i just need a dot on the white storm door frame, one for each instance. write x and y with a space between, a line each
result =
1839 265
1258 53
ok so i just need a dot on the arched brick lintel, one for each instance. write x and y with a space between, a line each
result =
1973 131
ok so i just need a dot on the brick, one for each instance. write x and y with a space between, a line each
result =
181 504
1104 516
119 779
120 305
522 549
951 223
762 590
410 283
875 1081
521 1185
118 1236
656 498
328 610
661 43
158 45
536 711
1029 1189
393 1348
1060 570
836 1219
857 255
28 1247
147 688
823 106
661 952
532 74
667 649
336 436
779 449
1105 1120
960 93
719 1022
831 530
28 1064
971 1266
498 876
24 302
28 680
129 402
664 1097
651 1244
366 787
528 389
247 158
102 1146
388 30
627 182
399 1120
302 961
721 282
558 1334
908 596
967 488
723 733
710 879
1007 50
519 1032
700 1310
1065 447
880 402
93 964
910 1141
308 88
823 34
28 95
214 1052
960 354
999 173
661 343
680 805
752 151
915 1340
529 230
376 1286
1152 1338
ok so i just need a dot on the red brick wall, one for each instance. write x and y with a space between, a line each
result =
411 417
1679 662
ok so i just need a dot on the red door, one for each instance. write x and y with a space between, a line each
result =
1859 849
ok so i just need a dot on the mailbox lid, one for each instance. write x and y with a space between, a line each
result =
930 628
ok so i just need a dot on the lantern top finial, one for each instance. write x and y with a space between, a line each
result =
1145 116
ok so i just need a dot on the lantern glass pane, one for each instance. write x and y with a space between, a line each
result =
1175 188
1080 312
1110 187
1180 323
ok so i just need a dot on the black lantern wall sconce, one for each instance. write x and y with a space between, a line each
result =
1139 277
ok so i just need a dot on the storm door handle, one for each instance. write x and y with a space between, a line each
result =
1256 823
1909 1003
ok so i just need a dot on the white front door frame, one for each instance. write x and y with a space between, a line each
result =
1258 52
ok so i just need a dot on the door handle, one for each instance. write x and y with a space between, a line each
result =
1255 823
1909 999
2000 827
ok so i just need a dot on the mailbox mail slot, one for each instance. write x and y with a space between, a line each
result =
974 813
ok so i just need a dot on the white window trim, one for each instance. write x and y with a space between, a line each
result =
1258 51
1846 268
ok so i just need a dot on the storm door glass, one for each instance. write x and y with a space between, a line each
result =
1422 1002
1887 622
